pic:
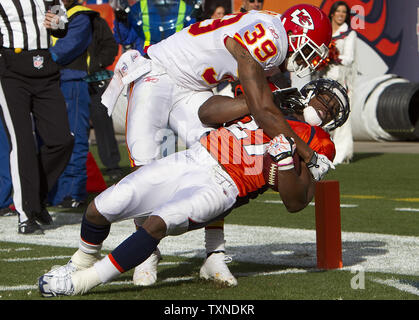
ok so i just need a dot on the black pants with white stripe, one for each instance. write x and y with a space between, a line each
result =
34 104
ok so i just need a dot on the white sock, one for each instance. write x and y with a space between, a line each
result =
84 260
106 269
85 280
214 240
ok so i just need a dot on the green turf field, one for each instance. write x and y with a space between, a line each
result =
274 252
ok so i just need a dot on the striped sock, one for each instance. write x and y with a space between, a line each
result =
92 236
130 253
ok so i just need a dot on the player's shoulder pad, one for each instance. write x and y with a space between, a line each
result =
264 36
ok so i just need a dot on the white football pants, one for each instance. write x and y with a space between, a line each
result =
159 108
187 190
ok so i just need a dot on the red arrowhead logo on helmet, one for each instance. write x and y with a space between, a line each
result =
303 19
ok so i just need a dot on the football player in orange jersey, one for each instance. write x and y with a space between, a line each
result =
307 113
189 189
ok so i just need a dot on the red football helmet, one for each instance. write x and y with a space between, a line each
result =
309 34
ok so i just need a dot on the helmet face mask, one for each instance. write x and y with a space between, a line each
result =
333 96
324 97
306 55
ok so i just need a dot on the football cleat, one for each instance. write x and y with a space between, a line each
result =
64 270
145 274
215 269
29 227
55 284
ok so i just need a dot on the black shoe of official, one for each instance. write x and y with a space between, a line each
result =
43 217
29 227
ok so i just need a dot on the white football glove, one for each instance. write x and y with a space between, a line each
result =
281 149
319 165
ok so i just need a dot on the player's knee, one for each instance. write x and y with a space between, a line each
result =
155 227
94 216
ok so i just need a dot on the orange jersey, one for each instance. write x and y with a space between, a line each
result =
240 146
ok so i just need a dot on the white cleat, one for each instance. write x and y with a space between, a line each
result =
79 261
215 269
56 284
145 274
61 271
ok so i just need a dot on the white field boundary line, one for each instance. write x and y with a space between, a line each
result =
398 285
342 205
286 247
407 209
170 280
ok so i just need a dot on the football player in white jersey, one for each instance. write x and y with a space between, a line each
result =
185 67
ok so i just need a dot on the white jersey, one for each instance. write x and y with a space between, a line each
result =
196 57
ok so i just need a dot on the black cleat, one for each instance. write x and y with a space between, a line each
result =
29 227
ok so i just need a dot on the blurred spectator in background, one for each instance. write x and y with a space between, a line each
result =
5 178
214 9
148 21
102 52
248 5
341 68
70 53
31 99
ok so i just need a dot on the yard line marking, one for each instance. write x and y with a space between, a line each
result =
17 249
270 273
18 288
398 285
170 280
35 259
173 263
342 205
407 209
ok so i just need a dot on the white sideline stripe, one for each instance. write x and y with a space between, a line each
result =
342 205
18 288
407 209
171 280
270 273
35 259
398 285
173 263
15 249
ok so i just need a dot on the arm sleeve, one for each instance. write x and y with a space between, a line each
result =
348 55
76 41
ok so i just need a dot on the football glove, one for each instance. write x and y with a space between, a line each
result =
319 165
281 149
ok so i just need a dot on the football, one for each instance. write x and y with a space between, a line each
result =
270 170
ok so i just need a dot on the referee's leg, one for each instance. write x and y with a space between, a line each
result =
52 125
24 167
